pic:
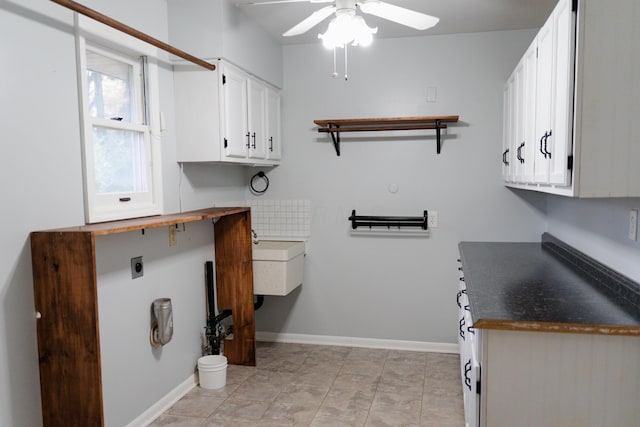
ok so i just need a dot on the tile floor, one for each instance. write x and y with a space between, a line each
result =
310 385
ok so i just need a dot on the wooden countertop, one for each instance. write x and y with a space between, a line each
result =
547 286
125 225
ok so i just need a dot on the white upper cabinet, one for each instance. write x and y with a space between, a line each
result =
507 140
225 116
274 150
234 111
544 102
256 118
576 108
519 94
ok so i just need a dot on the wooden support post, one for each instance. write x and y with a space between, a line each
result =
234 285
64 277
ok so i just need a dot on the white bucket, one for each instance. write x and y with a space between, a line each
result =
212 371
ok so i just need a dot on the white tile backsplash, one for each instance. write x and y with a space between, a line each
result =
278 218
281 218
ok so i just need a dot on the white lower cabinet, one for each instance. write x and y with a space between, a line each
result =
571 102
546 379
468 340
226 115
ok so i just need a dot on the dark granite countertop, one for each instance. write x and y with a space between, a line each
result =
547 286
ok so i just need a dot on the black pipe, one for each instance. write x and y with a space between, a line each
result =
223 315
212 322
258 304
211 297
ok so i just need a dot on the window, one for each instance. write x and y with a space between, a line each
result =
120 135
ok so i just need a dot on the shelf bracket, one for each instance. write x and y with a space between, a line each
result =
438 140
336 138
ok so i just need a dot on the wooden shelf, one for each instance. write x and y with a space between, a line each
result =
126 225
336 126
66 298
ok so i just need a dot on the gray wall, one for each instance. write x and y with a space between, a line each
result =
598 227
389 287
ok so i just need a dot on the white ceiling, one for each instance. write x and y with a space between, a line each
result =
456 16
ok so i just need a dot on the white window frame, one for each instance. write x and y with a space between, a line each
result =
94 36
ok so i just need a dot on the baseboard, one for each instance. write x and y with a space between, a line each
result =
431 347
165 403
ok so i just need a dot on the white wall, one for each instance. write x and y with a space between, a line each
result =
219 29
42 189
599 228
387 287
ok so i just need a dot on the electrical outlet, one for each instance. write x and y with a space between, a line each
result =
137 267
432 219
633 224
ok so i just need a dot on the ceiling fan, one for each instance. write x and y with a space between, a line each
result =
400 15
349 28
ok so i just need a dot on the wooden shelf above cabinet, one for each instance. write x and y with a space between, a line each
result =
336 126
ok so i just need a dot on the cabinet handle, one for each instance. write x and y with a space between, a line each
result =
542 150
463 291
254 140
547 135
461 328
270 143
521 156
248 140
467 371
471 330
518 155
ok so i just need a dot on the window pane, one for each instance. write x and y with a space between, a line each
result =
120 161
110 87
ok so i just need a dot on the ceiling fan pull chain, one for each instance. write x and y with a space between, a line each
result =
335 70
345 63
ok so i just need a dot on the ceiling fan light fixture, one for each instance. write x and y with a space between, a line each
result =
347 28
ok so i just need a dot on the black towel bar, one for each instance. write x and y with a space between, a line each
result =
388 221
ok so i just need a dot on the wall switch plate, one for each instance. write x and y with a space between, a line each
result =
137 267
173 235
432 94
633 224
432 219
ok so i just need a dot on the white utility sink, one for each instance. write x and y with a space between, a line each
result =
278 266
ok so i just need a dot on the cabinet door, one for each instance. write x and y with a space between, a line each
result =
274 146
518 122
560 146
507 153
529 113
256 93
236 137
544 86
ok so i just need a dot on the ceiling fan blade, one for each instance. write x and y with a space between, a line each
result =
311 21
257 3
410 18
